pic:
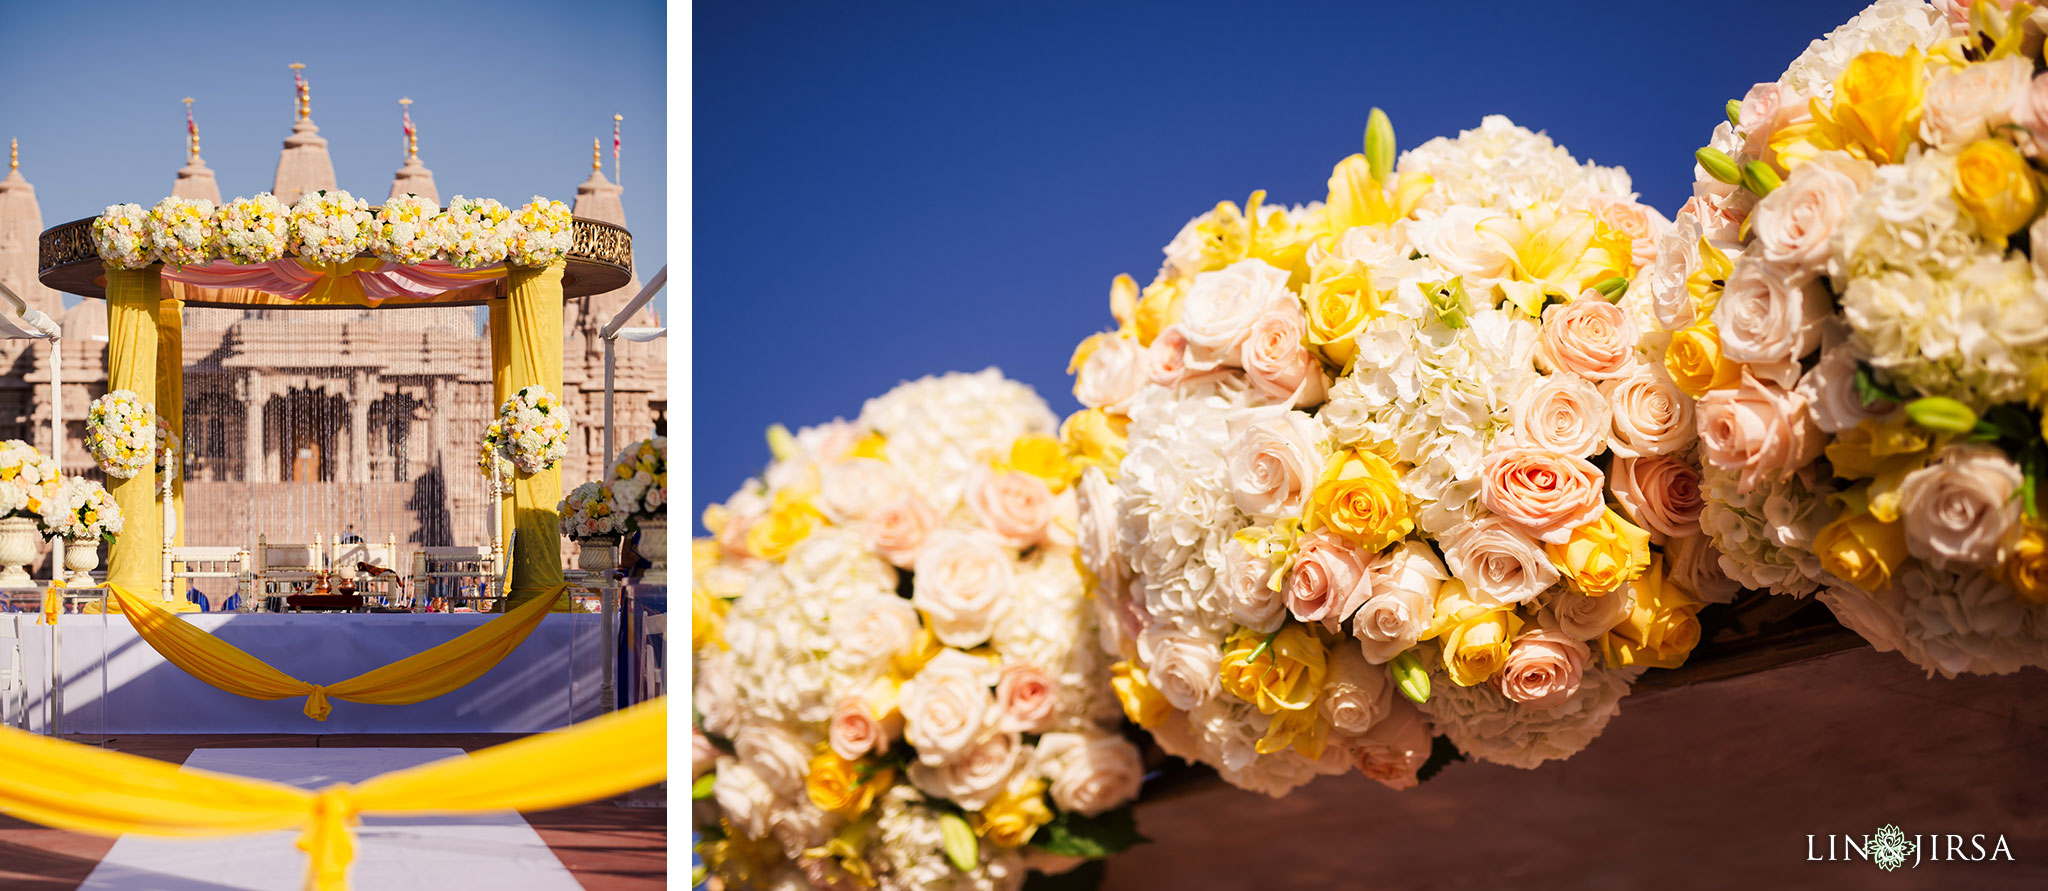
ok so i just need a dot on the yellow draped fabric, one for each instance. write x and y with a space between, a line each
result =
170 404
501 390
84 789
416 678
53 597
534 302
135 560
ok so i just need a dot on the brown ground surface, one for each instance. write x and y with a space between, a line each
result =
1710 786
607 847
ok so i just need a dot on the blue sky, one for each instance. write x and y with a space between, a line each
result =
506 97
885 191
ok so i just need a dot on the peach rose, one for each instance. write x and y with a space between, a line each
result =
898 530
1830 391
1016 506
1545 493
1795 224
868 630
1593 339
1113 373
962 583
1768 320
1659 493
1640 222
2032 111
855 730
1497 563
1580 617
704 753
1543 669
1651 416
1025 699
1404 584
1279 365
1328 580
1166 360
1563 414
1395 748
1253 602
1090 773
1183 669
1272 463
947 707
1696 566
1217 314
1766 109
973 779
1757 430
1970 102
1356 693
1963 507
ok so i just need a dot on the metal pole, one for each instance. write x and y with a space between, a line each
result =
604 459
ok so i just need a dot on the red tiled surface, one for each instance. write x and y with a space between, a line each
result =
605 846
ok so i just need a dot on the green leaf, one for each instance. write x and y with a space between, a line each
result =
2033 466
1073 835
1379 144
1441 752
701 789
1872 391
961 847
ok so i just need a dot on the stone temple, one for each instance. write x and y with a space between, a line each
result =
326 422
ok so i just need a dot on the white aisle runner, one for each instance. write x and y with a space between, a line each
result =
496 851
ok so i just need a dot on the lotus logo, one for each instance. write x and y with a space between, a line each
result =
1890 847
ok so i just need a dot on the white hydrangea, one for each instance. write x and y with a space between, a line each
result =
1765 537
1888 26
1051 627
778 633
1486 725
1971 337
1509 168
951 426
1946 622
909 852
1176 510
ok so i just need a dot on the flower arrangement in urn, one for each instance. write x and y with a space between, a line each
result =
84 515
28 491
1396 465
1856 297
897 683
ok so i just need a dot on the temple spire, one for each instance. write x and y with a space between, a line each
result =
21 223
194 179
598 198
413 178
304 165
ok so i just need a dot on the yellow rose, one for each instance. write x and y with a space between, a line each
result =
1861 549
1304 730
1360 498
707 619
1340 299
1096 437
1475 637
1014 815
1995 185
1883 452
1042 457
1661 626
846 788
1158 309
1695 362
906 664
2026 570
1142 703
869 446
787 524
1281 671
1876 110
1603 556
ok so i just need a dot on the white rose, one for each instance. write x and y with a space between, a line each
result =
947 705
1961 508
1769 321
870 629
1111 374
1830 391
744 797
1096 499
1253 602
717 699
853 489
1966 104
1220 306
1795 224
962 583
1587 618
1455 242
1405 582
1498 563
1090 773
1356 694
1184 670
1651 416
1273 462
1678 257
777 755
1563 413
974 778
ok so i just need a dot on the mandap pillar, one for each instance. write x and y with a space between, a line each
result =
134 561
534 349
170 405
501 389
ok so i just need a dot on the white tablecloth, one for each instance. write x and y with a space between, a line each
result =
532 690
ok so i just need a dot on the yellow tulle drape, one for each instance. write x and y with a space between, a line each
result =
170 403
135 559
534 303
416 678
84 789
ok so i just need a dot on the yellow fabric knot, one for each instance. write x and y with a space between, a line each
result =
53 602
316 703
328 844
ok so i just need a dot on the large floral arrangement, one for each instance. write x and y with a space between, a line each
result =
121 233
638 481
330 227
540 233
253 230
533 430
1857 301
587 512
182 231
491 451
405 231
897 683
120 431
81 510
28 482
473 231
1390 466
167 445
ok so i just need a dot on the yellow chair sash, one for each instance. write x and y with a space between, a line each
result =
53 602
416 678
85 789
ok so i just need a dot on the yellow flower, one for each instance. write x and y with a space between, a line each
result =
1861 549
1305 731
1695 362
1475 637
1883 452
1661 626
872 445
906 664
847 852
2026 570
1096 437
1360 498
1142 703
843 787
1014 815
1340 299
1995 185
1603 556
707 619
1876 110
1276 672
1555 255
1158 309
1041 456
787 524
1123 304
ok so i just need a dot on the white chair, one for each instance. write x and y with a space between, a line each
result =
456 573
13 692
283 569
350 556
653 673
190 562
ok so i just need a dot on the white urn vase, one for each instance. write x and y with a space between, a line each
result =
81 556
599 554
653 546
19 541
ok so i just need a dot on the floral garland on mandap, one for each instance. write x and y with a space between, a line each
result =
82 510
29 484
1392 466
331 227
1855 297
532 430
897 684
120 431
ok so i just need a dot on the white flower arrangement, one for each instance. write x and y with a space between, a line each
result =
405 231
535 432
253 230
330 227
120 431
82 510
182 231
167 445
587 513
121 232
472 232
638 480
539 233
491 450
28 482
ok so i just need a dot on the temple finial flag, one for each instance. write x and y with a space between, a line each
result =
14 154
596 156
191 130
615 148
305 107
412 136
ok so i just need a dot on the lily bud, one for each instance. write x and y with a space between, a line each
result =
1718 165
958 841
780 443
1759 178
1942 414
1379 145
1734 112
1409 676
1613 288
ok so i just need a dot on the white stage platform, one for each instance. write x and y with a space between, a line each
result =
529 692
498 851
